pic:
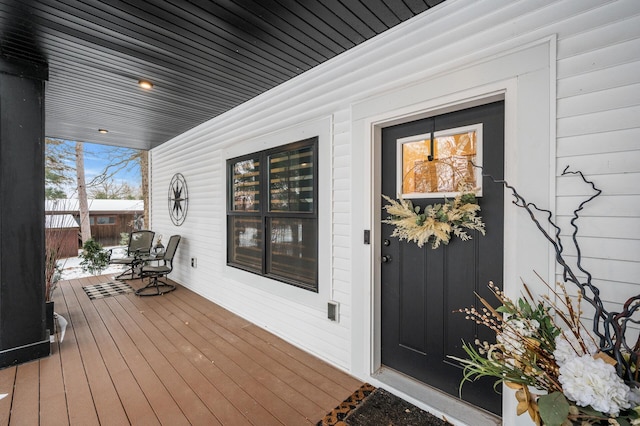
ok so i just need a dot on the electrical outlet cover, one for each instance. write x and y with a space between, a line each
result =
333 311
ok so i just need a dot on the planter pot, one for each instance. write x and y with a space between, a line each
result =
49 317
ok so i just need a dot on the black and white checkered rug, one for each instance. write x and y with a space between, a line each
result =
113 288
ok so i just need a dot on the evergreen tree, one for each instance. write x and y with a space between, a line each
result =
58 169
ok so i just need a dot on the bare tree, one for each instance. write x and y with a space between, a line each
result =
119 159
112 190
123 159
143 159
83 205
59 172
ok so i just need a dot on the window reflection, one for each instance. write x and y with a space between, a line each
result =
246 185
247 241
293 250
291 181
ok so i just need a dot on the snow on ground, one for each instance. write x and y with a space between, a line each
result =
71 268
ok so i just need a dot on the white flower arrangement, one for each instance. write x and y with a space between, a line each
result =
592 382
579 382
568 346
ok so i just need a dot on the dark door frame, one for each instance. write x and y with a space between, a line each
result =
377 206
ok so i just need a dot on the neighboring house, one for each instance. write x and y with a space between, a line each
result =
555 84
65 229
108 218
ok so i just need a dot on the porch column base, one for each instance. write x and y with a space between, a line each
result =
25 353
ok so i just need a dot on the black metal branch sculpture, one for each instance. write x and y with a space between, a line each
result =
609 327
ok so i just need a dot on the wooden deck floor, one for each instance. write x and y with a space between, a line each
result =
174 359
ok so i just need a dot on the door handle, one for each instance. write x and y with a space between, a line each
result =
386 259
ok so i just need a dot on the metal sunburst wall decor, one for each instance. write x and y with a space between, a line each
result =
178 199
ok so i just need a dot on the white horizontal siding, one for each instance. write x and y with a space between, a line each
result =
604 163
616 141
593 32
603 206
612 270
340 255
608 99
597 125
602 226
611 184
622 249
618 53
603 121
617 76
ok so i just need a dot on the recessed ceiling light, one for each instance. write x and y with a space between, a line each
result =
103 131
145 84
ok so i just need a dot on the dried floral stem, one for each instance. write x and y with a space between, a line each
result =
589 380
609 327
55 240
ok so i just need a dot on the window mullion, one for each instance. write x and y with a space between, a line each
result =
264 208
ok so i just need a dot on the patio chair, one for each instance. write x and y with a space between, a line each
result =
156 286
139 246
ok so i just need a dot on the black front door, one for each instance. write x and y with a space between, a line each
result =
421 287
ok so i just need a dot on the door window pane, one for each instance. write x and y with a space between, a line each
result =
293 249
442 166
246 241
291 181
246 185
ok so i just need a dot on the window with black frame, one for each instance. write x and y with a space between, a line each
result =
272 221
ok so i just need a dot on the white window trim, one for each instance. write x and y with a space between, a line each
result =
323 129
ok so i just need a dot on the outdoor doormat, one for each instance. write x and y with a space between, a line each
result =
112 288
370 406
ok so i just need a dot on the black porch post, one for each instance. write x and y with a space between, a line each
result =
22 313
